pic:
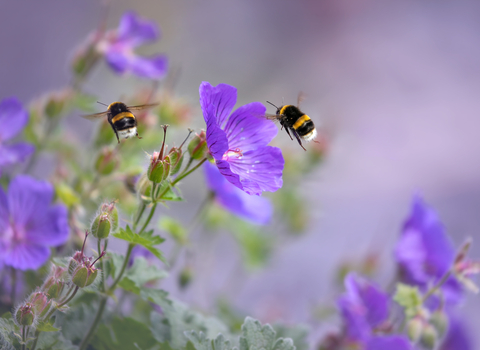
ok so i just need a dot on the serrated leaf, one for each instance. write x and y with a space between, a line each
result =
47 326
140 274
409 298
5 344
256 336
7 329
124 334
172 196
54 341
145 239
113 263
298 333
200 342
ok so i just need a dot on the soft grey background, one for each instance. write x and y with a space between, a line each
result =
396 83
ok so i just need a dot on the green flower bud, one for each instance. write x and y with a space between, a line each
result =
175 157
46 309
101 226
92 275
25 315
106 161
38 300
415 329
53 287
144 187
429 337
159 169
74 262
197 148
185 277
80 276
439 321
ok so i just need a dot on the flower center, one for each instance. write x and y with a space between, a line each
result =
13 235
232 153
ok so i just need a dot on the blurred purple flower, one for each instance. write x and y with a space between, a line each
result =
424 252
238 141
29 225
456 338
388 342
364 307
13 118
118 47
255 209
138 250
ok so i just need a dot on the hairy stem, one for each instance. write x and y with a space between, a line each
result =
124 266
149 218
139 216
86 339
34 345
69 298
24 338
436 287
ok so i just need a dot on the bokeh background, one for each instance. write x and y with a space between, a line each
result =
393 85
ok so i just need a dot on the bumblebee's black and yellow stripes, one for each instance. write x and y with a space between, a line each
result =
296 122
122 120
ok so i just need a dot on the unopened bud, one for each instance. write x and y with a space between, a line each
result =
25 315
429 336
175 157
38 300
197 148
439 320
415 329
159 169
185 277
53 287
106 221
106 161
84 276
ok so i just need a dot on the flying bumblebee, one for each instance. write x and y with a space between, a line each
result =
121 118
294 121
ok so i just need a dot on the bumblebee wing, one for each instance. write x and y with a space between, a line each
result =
301 97
137 108
95 116
273 117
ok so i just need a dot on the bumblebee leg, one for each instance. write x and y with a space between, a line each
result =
288 132
298 139
137 136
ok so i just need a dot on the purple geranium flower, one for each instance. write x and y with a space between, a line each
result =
457 337
29 225
251 208
13 118
364 308
118 47
238 141
424 252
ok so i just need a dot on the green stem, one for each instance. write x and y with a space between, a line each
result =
139 216
124 266
437 286
152 211
69 298
99 247
68 292
83 345
34 345
24 337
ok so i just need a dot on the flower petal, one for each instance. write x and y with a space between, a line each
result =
152 68
117 60
12 154
134 30
216 139
424 251
25 256
28 199
248 130
13 118
262 167
4 212
357 328
255 209
49 229
457 337
390 342
223 98
370 296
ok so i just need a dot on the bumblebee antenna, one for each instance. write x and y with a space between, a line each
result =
272 104
102 103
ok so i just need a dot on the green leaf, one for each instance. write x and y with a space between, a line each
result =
113 263
178 318
298 333
5 344
200 342
47 326
7 330
54 341
141 273
170 194
123 334
174 228
409 298
256 336
145 239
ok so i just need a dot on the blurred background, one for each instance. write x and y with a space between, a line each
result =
393 85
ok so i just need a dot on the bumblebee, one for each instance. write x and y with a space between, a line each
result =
121 119
295 122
